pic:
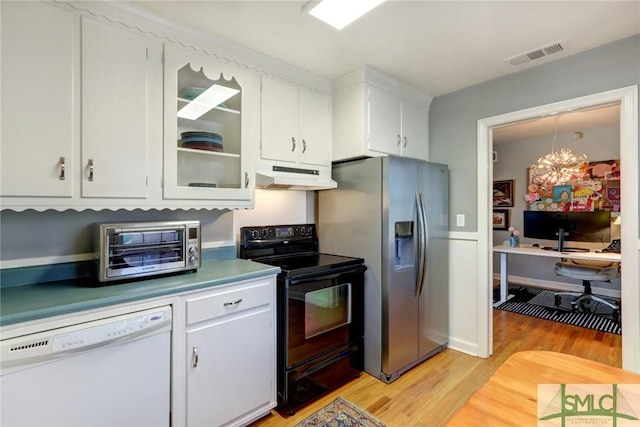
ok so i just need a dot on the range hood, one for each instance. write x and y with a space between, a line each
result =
286 178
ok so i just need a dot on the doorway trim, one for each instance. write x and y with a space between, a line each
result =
629 165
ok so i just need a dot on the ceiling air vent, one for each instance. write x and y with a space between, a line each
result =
541 52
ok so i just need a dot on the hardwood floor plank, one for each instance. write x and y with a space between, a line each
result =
430 393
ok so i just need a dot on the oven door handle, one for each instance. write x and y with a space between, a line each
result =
323 277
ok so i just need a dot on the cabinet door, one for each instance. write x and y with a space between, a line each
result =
114 112
205 138
231 367
384 121
280 121
315 128
37 100
415 130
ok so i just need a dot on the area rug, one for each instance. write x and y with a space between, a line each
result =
341 413
537 302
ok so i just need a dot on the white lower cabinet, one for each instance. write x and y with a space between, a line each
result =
230 354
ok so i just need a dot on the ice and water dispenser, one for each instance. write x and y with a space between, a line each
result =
404 245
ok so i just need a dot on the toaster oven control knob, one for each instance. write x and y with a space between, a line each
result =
264 233
193 260
254 234
192 250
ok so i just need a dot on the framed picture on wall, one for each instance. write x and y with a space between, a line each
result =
500 219
503 193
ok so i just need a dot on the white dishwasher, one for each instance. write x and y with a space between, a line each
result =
110 372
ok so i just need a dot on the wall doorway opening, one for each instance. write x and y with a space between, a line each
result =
628 98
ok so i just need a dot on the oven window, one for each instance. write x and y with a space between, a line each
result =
326 309
137 249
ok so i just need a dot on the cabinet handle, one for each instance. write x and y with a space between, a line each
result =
236 302
246 180
194 357
293 144
405 140
304 145
399 139
90 169
61 163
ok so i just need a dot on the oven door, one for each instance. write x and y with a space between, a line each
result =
324 312
320 334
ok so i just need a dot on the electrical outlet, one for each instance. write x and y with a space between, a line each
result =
460 220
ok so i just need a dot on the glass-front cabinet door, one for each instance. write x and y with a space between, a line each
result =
210 120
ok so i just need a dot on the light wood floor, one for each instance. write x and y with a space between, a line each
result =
429 394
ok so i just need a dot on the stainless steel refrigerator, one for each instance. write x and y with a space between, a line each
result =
393 212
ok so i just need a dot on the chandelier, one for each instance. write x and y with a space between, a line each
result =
558 167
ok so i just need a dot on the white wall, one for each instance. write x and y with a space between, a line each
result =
275 207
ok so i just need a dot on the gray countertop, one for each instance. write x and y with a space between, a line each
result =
32 302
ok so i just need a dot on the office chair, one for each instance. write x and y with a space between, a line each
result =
587 271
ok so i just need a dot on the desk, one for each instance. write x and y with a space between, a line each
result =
504 252
510 395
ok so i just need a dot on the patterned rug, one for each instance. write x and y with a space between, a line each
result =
341 413
537 302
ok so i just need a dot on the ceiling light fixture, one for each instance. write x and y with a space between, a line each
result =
558 167
207 100
339 13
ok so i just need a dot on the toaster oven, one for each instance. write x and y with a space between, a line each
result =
138 249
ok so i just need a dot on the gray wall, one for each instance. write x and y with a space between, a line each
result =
32 234
453 117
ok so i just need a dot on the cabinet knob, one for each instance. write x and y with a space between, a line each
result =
90 169
61 163
304 145
398 139
404 140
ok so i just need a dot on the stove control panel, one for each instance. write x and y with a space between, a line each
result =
277 240
278 232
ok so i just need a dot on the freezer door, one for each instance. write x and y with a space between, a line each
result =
434 297
400 307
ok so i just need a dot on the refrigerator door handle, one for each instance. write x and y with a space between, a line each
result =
422 243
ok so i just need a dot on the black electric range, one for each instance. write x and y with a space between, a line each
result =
319 309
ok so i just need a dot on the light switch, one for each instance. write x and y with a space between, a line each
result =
460 220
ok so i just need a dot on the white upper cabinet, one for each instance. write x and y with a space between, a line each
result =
114 111
210 121
315 128
296 124
384 121
37 91
375 115
415 130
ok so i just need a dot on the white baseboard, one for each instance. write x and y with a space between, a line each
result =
549 284
462 346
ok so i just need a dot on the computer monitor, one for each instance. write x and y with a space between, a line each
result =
568 226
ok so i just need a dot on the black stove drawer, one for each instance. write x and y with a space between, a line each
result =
307 382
